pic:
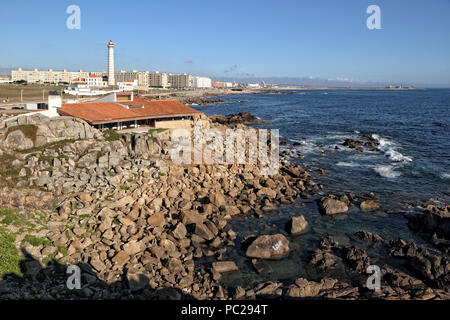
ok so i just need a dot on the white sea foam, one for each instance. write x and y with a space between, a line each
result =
336 136
445 175
397 156
347 164
388 148
386 171
308 147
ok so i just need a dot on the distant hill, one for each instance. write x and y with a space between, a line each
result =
306 81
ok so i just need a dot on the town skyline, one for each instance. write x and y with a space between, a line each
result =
229 44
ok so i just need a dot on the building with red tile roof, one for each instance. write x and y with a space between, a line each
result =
126 110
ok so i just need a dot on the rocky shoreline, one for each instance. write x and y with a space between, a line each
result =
240 118
142 227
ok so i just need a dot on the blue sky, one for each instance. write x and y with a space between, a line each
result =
324 39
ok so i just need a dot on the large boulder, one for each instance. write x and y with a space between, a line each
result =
18 141
271 247
44 130
330 206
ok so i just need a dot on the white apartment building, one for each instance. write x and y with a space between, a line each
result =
201 82
46 76
158 80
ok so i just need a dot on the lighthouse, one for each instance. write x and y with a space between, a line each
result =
111 80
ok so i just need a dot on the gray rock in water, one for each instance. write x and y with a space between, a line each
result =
297 225
330 206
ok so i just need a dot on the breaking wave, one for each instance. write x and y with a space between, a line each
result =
445 175
387 171
347 164
388 148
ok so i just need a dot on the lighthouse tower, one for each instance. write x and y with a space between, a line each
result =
111 80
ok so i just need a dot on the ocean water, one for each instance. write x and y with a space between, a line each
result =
412 127
413 131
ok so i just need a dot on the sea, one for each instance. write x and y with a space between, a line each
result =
412 165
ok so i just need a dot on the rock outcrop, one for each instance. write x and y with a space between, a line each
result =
25 132
434 221
240 118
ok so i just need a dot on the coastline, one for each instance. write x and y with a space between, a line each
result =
145 224
207 96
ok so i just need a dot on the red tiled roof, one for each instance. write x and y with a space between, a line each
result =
107 112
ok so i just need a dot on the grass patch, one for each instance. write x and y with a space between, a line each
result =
124 188
35 241
6 167
157 130
9 217
112 135
62 250
29 130
47 159
63 156
52 145
9 255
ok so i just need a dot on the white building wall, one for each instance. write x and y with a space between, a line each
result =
201 82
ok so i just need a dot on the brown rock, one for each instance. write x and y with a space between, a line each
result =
180 231
368 205
203 231
330 206
224 266
297 225
190 217
133 247
269 247
121 258
156 219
